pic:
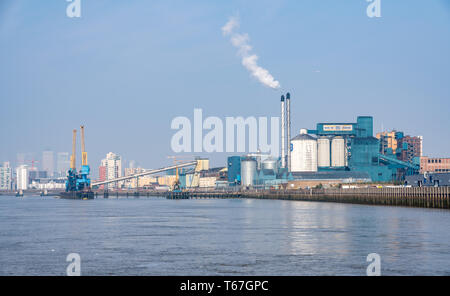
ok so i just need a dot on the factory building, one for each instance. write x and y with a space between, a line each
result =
352 147
248 171
234 170
332 153
254 169
434 165
326 179
304 153
427 180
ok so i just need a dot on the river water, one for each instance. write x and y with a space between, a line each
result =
155 236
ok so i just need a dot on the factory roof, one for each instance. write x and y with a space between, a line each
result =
440 179
303 137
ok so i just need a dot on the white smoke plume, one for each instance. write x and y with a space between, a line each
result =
249 61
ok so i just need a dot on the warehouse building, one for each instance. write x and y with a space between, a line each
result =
427 180
434 165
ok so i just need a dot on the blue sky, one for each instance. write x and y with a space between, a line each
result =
125 69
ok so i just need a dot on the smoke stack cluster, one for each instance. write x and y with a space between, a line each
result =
286 132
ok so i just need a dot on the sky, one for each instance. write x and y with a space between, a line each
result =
126 69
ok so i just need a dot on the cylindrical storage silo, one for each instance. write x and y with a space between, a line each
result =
304 153
269 164
323 152
248 171
338 152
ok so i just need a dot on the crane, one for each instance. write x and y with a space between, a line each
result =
196 178
83 181
71 182
78 184
176 184
83 148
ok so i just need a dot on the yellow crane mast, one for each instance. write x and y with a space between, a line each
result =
84 161
73 156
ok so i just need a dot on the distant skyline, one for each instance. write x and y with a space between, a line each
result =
61 162
125 69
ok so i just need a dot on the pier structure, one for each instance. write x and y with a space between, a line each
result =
423 197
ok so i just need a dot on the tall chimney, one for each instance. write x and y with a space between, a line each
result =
283 138
288 123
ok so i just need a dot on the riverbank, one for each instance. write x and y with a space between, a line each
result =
421 197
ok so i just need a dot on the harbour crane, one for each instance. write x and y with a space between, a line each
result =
176 185
196 177
78 184
83 182
71 182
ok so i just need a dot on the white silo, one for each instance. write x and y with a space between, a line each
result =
323 152
338 152
248 171
270 164
304 153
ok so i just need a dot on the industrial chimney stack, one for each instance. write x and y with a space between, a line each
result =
288 125
286 132
283 129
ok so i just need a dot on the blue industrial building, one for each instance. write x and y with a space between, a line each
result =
234 170
361 159
363 150
361 154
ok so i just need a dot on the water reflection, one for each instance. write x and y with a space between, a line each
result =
154 236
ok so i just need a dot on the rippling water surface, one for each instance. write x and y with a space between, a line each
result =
155 236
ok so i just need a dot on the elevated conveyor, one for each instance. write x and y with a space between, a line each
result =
151 172
398 162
